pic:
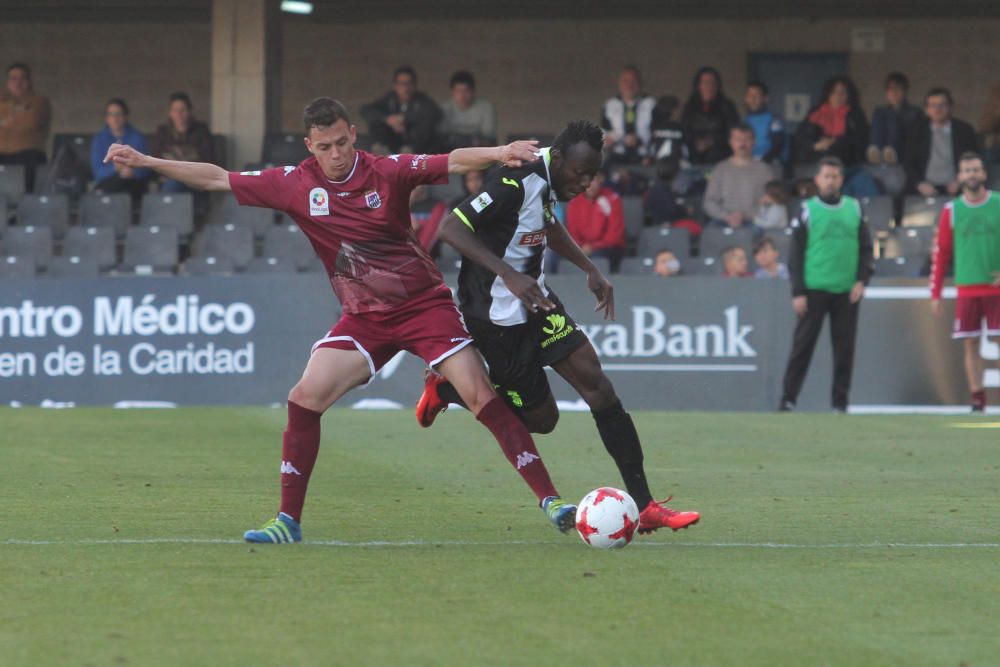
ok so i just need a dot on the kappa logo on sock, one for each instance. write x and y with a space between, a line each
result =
524 458
288 469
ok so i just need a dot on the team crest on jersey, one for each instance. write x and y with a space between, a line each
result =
319 202
532 238
372 199
481 202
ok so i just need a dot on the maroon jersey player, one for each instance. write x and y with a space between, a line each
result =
353 207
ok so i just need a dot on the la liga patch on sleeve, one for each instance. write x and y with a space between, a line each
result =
481 202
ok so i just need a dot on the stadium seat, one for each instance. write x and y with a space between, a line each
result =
695 206
716 239
910 242
270 265
45 211
701 266
288 242
654 239
255 218
30 241
635 216
897 267
106 210
636 266
922 211
97 243
72 266
14 266
782 242
149 249
78 142
168 210
877 212
228 241
543 138
12 182
283 148
208 266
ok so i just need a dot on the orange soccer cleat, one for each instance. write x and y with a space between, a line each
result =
658 515
430 404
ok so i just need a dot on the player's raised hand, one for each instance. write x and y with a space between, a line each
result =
526 289
603 292
124 155
519 153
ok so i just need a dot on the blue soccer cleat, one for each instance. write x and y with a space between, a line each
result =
281 530
561 513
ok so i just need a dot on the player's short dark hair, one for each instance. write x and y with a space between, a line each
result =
324 112
19 65
180 97
579 132
742 127
120 102
899 79
968 156
405 69
764 242
939 91
831 161
759 84
462 76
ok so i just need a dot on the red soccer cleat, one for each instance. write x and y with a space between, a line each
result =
430 404
658 515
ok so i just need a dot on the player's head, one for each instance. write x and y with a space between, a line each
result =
576 157
830 177
18 79
971 172
330 136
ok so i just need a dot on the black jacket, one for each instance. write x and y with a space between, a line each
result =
422 115
918 147
849 147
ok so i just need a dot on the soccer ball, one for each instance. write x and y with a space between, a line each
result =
607 518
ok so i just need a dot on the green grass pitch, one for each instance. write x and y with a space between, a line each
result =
825 540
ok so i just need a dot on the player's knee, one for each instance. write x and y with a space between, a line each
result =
599 393
544 423
301 395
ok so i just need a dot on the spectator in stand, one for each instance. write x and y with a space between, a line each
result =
835 127
467 120
661 204
404 120
889 123
768 130
989 127
666 264
734 262
766 255
773 210
627 119
182 138
113 176
596 221
707 118
472 184
426 214
25 117
934 146
668 134
736 184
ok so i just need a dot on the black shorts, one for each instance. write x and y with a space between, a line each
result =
518 354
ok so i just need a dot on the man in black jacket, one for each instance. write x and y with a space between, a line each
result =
404 119
933 146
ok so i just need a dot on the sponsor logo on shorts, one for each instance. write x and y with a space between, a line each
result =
525 458
532 238
319 202
557 329
372 199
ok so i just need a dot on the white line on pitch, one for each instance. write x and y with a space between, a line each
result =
462 543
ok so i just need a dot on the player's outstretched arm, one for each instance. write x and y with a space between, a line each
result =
454 232
198 175
514 154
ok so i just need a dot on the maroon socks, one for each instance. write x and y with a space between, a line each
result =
299 448
517 446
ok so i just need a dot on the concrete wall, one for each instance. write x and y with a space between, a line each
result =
541 73
80 65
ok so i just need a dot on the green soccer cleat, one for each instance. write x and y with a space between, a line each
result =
561 513
283 529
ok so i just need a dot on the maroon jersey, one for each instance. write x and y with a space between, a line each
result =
360 227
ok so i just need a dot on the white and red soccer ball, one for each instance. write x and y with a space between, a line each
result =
607 518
